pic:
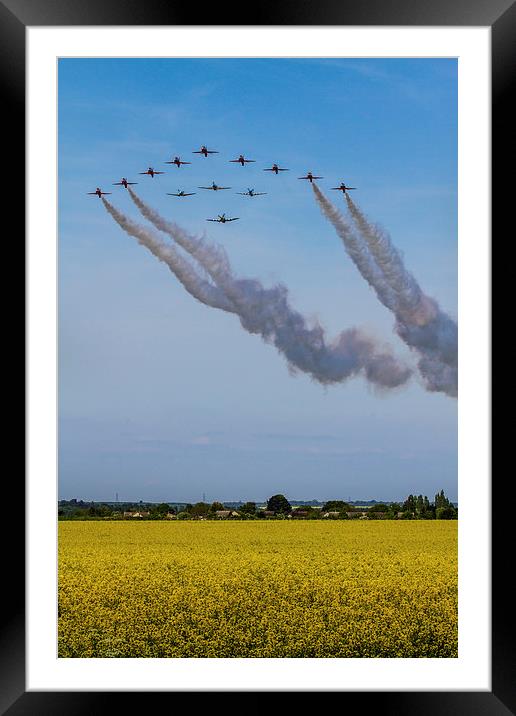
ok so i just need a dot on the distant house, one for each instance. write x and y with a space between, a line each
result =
299 514
332 513
170 516
223 514
269 513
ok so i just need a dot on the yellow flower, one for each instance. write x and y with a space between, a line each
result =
258 589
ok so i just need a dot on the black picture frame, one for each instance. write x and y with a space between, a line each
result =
15 16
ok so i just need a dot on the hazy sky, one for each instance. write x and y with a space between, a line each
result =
162 398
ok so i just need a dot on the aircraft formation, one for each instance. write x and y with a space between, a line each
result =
241 159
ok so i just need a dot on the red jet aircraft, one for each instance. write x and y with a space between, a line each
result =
241 160
177 161
205 151
310 177
124 182
343 187
275 168
99 193
150 171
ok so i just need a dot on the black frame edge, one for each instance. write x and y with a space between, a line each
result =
12 83
15 15
286 12
503 58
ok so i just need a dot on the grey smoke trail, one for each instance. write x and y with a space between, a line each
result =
212 257
420 322
198 287
358 251
267 312
412 304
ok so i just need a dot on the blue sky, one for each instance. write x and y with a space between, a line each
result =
162 398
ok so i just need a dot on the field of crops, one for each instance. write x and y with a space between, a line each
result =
258 589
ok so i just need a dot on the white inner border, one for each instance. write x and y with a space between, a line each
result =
472 670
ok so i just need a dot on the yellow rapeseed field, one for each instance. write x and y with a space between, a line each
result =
258 589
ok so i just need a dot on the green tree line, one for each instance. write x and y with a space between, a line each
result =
415 507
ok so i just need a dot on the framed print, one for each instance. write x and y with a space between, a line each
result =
248 465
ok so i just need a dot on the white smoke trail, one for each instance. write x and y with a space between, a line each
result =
198 287
267 312
420 322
